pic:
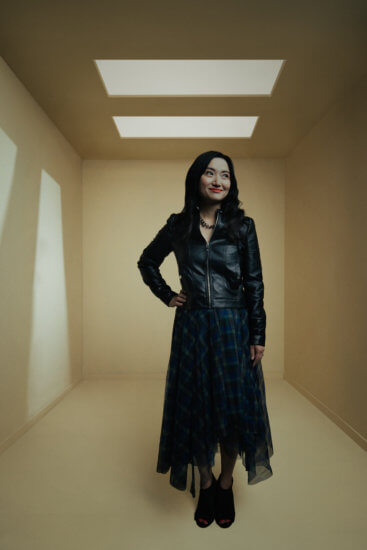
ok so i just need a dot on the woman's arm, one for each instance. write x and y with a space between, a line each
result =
152 257
254 287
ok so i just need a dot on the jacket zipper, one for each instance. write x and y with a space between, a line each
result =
207 271
207 260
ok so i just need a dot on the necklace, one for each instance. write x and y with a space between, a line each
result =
204 224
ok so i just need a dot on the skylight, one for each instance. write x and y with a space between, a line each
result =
189 77
185 126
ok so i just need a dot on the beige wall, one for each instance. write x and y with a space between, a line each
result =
326 267
40 259
126 328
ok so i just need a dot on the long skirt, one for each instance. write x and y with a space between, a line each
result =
213 395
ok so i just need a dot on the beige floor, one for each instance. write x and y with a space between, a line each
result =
84 477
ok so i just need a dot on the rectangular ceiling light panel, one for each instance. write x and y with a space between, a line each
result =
185 126
189 77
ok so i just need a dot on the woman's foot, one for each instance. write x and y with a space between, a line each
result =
204 513
224 503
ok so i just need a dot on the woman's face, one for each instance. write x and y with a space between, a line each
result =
215 181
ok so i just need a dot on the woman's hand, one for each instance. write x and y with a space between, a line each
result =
178 300
257 353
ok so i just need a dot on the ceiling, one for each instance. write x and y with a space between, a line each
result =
51 47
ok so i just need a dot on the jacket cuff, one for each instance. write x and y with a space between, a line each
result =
257 340
168 297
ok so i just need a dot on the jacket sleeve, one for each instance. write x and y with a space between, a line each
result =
254 287
152 257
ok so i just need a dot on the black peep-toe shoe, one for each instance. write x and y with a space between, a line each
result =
224 505
204 513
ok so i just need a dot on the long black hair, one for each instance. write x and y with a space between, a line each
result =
231 212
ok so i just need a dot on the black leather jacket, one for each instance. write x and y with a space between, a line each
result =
218 273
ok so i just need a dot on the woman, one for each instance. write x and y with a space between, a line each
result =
214 394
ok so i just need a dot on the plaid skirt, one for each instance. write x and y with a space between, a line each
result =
213 395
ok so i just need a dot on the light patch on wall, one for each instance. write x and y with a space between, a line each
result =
8 153
189 77
49 369
185 126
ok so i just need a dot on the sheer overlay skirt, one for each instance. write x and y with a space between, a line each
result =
213 395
